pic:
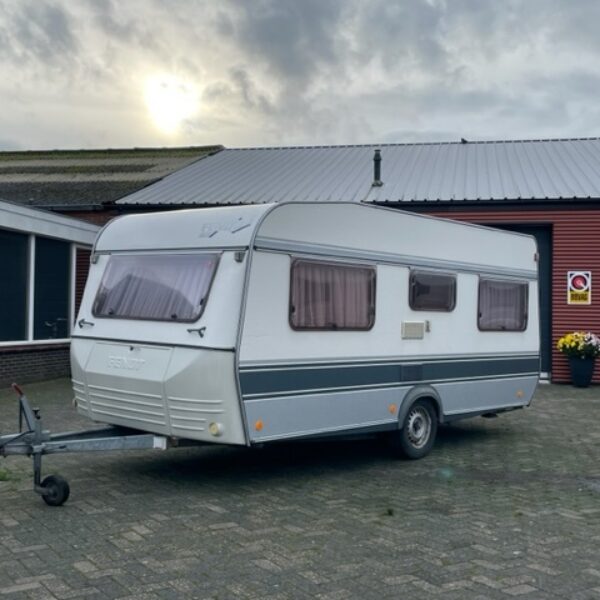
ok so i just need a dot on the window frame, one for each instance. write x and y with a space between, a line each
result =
29 340
17 296
344 265
525 320
217 254
414 272
40 301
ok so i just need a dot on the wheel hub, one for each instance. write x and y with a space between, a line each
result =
418 427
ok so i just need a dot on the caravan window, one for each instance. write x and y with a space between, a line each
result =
432 291
331 296
502 305
168 287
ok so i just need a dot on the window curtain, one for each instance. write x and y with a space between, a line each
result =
326 296
502 305
169 287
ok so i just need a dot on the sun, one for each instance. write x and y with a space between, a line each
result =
170 101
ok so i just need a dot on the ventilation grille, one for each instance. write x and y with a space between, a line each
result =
413 330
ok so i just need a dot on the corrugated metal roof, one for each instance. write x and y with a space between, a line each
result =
430 172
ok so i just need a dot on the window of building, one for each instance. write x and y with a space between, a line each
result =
331 296
502 305
52 289
432 291
14 274
168 287
35 303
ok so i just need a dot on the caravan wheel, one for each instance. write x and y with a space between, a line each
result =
416 435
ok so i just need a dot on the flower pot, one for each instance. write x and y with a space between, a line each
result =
582 370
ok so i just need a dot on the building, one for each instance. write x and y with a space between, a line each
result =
84 183
547 188
44 260
51 206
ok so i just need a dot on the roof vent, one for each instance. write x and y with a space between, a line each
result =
377 169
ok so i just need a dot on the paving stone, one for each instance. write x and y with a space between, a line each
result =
501 508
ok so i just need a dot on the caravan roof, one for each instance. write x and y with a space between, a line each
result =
342 230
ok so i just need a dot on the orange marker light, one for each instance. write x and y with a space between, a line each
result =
520 394
258 425
392 408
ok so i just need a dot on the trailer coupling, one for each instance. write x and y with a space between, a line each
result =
35 441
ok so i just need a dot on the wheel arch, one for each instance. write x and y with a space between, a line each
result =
421 392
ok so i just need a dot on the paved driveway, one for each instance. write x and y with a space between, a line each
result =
502 508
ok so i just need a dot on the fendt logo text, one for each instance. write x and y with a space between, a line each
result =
122 362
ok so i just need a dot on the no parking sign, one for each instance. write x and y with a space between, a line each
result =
579 287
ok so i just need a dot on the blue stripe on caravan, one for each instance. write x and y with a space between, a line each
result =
262 381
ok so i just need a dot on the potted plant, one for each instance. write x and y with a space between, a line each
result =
581 349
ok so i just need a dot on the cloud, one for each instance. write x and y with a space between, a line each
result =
278 72
292 38
37 32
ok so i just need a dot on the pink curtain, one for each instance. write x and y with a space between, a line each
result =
328 296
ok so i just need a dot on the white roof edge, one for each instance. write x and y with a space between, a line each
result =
25 219
191 228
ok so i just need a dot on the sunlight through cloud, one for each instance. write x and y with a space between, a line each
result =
170 101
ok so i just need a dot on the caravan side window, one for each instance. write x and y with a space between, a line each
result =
331 296
502 305
432 291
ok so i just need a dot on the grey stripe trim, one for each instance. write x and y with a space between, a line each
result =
281 381
289 247
383 386
287 365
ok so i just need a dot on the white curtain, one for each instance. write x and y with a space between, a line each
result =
327 296
158 287
502 305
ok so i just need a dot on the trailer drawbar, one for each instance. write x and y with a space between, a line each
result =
35 441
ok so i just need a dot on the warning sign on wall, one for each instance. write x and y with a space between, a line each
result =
579 287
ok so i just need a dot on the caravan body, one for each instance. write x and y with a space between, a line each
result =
251 324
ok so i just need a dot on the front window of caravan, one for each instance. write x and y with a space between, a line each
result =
167 287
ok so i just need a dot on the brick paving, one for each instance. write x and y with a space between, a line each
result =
504 508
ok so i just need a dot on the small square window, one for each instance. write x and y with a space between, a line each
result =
432 291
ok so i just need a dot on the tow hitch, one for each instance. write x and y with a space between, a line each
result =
35 441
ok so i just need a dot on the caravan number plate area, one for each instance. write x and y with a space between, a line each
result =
128 361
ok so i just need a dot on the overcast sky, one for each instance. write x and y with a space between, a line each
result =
121 73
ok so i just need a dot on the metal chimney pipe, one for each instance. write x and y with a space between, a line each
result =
377 169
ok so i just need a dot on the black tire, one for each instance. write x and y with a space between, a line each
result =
56 490
416 434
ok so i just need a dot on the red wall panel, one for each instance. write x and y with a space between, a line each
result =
575 246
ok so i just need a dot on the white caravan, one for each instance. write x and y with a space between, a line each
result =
251 324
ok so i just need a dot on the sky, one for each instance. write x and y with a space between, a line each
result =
124 73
